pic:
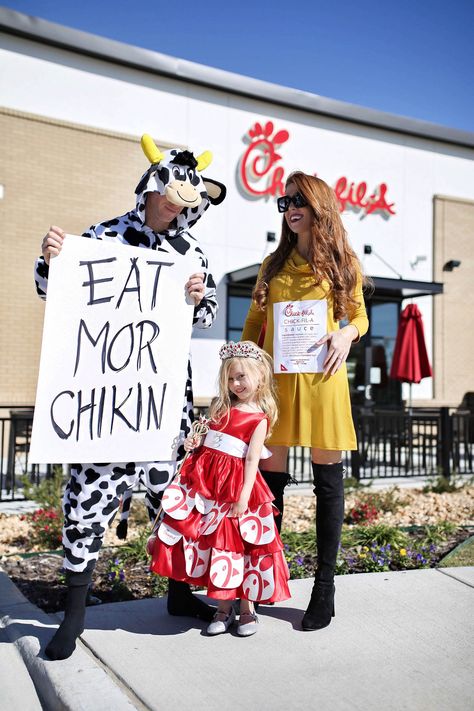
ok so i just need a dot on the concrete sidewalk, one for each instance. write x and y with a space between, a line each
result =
399 641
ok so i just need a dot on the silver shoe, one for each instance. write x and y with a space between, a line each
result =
218 626
248 628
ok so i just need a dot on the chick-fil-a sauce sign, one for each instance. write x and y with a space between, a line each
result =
261 174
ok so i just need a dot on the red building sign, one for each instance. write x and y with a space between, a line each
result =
261 173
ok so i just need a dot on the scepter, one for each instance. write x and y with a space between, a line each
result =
199 428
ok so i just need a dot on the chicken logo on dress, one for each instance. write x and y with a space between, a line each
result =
256 527
177 501
197 558
227 569
259 582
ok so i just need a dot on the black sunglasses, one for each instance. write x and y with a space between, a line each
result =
284 202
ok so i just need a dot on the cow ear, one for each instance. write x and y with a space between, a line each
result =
216 191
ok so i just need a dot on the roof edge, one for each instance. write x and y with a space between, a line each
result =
53 34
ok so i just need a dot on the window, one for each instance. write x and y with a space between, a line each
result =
237 307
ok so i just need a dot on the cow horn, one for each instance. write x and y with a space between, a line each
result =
150 149
204 160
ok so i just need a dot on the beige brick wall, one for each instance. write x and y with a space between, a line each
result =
51 172
453 362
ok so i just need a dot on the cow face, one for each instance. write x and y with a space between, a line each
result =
176 175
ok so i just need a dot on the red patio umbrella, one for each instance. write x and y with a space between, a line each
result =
410 362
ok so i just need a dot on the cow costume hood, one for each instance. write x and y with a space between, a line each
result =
176 174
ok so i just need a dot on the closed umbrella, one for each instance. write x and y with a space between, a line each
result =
410 362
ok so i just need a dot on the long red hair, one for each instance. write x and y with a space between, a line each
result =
330 254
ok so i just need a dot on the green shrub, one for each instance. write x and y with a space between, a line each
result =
135 550
49 492
439 532
387 501
46 526
116 579
380 534
46 522
443 485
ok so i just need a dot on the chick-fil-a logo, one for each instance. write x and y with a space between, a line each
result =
260 175
290 311
355 195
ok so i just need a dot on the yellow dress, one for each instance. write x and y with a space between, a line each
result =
314 409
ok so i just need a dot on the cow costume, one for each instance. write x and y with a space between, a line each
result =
93 493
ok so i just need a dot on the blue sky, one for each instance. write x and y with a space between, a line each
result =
413 57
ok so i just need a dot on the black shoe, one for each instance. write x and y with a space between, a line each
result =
182 603
63 643
321 607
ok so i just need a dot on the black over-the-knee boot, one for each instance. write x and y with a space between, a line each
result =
182 602
63 643
276 482
329 490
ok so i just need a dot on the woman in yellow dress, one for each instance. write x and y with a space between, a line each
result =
304 289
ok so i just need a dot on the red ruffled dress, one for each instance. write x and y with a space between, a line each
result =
198 542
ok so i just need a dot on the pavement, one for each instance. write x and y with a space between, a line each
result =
399 641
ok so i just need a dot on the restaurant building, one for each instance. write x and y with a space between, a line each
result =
73 107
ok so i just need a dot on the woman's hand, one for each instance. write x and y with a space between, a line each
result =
191 442
196 288
239 507
339 345
52 243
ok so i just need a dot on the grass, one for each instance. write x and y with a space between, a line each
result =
461 556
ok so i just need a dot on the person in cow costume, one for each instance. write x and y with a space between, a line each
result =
170 198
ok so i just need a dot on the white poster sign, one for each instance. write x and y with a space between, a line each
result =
114 356
297 326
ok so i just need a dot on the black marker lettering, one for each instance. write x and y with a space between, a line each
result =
84 408
59 430
109 353
133 270
156 331
83 327
157 278
92 281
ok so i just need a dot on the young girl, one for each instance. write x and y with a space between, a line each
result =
219 529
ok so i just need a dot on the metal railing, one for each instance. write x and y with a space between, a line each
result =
425 441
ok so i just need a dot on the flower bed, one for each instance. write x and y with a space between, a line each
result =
379 535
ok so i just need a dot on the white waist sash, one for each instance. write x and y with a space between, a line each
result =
228 444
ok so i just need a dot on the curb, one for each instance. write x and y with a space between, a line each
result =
75 684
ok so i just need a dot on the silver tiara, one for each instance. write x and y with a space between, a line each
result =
242 349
